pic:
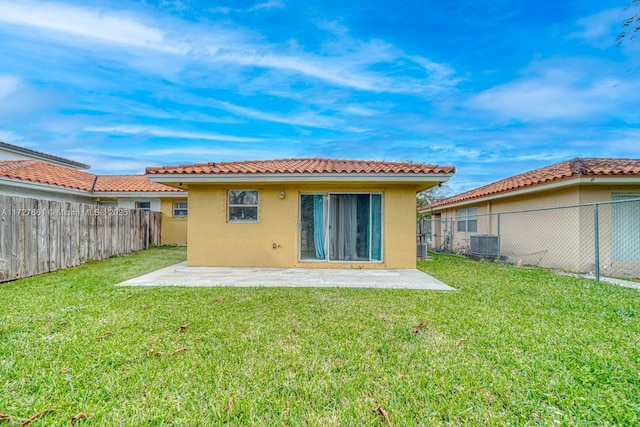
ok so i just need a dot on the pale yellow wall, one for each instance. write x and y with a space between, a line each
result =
215 242
174 229
399 229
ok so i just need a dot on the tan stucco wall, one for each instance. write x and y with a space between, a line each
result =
554 238
603 193
174 229
488 224
608 265
215 242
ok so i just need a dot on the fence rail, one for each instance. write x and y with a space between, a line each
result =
40 236
599 239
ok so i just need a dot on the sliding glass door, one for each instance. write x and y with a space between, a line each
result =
341 227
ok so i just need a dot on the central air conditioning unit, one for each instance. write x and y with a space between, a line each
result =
484 245
421 250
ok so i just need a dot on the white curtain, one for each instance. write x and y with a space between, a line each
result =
344 226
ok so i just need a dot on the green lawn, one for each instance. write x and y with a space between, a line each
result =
513 346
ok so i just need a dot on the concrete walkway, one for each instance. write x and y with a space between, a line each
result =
181 275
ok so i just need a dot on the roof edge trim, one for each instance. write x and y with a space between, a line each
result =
536 188
51 158
301 177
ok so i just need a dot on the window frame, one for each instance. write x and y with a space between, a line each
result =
138 203
185 209
465 218
243 220
327 197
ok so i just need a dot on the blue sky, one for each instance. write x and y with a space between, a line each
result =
493 87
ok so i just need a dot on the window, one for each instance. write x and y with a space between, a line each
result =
108 203
467 220
341 227
145 206
180 209
243 206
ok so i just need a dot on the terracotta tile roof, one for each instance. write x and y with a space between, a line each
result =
60 176
575 168
302 166
130 183
47 173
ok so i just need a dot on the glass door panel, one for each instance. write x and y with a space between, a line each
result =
341 227
313 208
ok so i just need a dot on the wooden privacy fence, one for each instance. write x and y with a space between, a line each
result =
39 236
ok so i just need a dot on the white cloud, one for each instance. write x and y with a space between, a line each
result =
540 157
332 71
349 69
617 143
207 153
342 61
441 74
270 4
333 27
600 29
454 151
109 166
19 99
11 137
9 84
173 5
97 24
106 162
300 119
168 133
223 10
185 112
362 110
556 91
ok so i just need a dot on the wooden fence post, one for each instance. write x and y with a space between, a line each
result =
5 238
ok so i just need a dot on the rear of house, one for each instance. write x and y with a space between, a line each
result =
319 213
546 217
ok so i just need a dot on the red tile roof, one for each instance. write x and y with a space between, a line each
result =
301 166
575 168
130 183
60 176
47 173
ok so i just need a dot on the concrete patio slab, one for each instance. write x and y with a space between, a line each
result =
181 275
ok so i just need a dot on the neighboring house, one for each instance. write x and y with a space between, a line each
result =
50 181
15 152
137 192
302 212
39 180
565 237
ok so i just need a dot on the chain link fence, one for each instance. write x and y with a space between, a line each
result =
599 239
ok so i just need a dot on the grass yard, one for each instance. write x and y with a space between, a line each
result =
513 346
